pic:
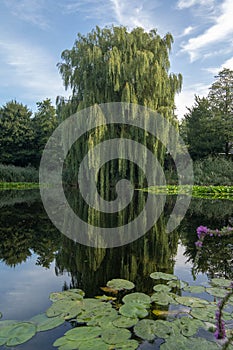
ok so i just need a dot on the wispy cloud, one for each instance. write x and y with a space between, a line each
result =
30 69
215 70
185 99
187 31
127 13
184 4
220 31
31 11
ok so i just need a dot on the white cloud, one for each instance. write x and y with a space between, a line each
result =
30 69
127 13
187 31
184 4
29 10
185 99
220 31
215 70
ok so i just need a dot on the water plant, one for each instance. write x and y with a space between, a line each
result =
171 314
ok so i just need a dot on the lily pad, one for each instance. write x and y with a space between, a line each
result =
64 343
191 301
220 282
177 284
183 343
163 276
44 323
83 333
162 288
64 307
139 298
161 298
207 314
145 329
125 322
217 292
189 326
16 334
133 310
97 344
115 336
127 345
72 294
165 329
194 289
120 284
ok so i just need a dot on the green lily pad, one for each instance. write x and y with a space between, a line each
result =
64 343
165 329
127 345
183 343
162 288
161 298
133 310
220 282
139 298
145 329
191 301
120 284
64 307
189 326
194 289
18 333
44 323
177 284
92 315
97 344
72 294
104 320
115 336
83 333
125 322
163 276
204 314
217 292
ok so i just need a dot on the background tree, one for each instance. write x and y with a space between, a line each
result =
200 130
44 123
221 100
16 134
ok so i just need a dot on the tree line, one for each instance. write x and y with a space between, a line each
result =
23 135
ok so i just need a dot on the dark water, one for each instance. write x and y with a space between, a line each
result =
36 259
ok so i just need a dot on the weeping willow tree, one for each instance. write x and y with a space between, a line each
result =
115 65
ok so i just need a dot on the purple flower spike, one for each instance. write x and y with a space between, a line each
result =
202 229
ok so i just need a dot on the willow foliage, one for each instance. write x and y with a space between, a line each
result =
115 65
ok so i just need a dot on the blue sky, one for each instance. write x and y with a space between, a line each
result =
33 33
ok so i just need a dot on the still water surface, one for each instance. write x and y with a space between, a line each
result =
36 259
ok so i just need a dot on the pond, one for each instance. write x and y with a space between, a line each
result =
36 259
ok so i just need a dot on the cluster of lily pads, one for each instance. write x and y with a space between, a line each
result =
125 318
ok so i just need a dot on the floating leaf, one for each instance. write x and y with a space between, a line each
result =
165 329
120 284
189 326
127 345
115 336
44 323
194 289
103 320
125 322
133 310
93 314
221 282
139 298
105 298
83 333
71 294
109 290
162 288
64 307
177 284
191 301
145 329
163 276
217 292
65 344
183 343
207 314
96 344
161 298
20 333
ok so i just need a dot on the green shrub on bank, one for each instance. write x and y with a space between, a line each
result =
11 173
213 171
